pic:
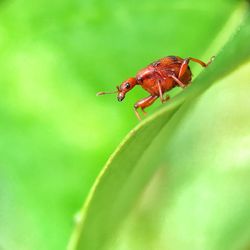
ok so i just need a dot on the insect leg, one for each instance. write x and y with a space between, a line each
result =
143 103
160 90
163 100
200 62
183 68
178 81
186 61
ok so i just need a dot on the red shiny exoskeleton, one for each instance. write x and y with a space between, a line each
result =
158 78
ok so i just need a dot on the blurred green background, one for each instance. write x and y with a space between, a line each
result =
55 134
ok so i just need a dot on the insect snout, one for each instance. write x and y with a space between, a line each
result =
120 96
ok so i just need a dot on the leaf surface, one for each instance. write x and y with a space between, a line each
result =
169 182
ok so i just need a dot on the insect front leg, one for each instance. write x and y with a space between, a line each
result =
143 103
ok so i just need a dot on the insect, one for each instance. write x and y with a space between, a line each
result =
158 78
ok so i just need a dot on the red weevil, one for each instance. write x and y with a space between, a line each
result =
158 78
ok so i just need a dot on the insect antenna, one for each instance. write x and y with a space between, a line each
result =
104 93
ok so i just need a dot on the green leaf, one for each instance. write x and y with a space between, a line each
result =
180 179
55 135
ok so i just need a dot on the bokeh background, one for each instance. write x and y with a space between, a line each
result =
55 134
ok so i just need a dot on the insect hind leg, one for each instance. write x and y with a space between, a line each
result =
186 61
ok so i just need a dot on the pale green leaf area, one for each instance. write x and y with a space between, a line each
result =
199 196
55 134
180 179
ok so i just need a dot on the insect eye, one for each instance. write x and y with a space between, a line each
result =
127 85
